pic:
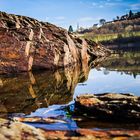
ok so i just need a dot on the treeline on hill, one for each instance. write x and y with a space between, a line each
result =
119 26
124 28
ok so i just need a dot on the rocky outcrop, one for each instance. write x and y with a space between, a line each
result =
109 106
27 44
10 130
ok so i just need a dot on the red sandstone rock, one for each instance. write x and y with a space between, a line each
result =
109 106
27 44
16 131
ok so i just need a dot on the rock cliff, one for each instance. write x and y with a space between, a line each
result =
27 44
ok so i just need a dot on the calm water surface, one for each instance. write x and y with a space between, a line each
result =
102 80
47 94
119 73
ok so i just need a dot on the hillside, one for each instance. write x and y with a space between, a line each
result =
127 29
119 26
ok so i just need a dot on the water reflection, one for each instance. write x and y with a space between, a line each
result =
27 92
120 73
100 125
58 113
125 62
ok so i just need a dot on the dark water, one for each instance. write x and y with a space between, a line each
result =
50 94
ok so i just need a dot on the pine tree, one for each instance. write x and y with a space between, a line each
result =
70 29
130 14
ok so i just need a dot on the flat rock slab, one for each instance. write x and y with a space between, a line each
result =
109 106
18 131
10 130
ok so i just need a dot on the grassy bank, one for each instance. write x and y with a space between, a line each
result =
110 38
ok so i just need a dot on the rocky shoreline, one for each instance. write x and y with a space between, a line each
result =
95 106
17 131
27 44
110 107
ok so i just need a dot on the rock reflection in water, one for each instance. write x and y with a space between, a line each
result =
27 92
100 125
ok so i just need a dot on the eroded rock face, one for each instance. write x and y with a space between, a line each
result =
109 106
27 44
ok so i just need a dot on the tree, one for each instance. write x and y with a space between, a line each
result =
102 21
130 14
70 29
118 17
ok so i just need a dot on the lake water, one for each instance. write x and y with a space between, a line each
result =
119 73
46 94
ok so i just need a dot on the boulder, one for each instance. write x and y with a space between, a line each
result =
18 131
27 44
109 107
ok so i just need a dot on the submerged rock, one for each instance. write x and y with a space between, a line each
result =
109 106
27 44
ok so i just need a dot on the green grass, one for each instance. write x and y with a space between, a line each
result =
111 37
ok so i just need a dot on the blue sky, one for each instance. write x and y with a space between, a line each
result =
70 12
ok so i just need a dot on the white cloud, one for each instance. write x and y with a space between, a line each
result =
106 3
110 4
94 4
84 19
87 21
101 6
81 2
98 5
60 18
118 0
135 6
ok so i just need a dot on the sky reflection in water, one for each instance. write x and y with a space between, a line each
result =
57 112
113 81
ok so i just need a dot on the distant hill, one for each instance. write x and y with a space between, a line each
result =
124 29
119 26
125 23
